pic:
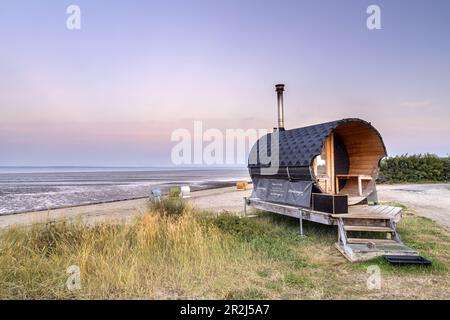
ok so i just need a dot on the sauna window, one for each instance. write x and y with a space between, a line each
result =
320 165
320 170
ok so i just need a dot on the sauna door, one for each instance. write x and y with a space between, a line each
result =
333 160
323 166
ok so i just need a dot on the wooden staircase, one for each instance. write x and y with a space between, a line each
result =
372 234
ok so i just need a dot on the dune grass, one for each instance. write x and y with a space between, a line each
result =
174 252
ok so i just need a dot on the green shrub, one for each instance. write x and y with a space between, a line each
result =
170 207
446 170
415 168
174 192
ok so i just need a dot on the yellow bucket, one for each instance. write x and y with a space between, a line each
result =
241 185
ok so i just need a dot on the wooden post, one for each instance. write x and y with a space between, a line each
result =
359 186
329 165
337 185
327 162
315 167
332 176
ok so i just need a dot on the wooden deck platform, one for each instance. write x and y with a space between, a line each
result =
360 211
361 219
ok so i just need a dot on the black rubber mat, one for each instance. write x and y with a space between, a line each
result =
408 260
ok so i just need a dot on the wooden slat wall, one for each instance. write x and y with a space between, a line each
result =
365 149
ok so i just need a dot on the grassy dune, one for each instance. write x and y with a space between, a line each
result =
176 252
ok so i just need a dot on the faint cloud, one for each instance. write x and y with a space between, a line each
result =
416 104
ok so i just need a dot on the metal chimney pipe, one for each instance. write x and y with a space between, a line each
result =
279 88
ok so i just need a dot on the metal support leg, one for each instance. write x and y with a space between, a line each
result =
396 236
245 206
301 222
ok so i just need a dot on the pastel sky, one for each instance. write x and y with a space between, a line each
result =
112 93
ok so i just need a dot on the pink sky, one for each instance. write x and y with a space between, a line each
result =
112 93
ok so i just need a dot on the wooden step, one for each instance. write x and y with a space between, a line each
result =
361 216
375 241
368 229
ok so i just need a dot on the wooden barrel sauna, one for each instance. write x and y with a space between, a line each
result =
340 157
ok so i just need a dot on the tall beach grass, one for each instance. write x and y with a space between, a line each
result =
157 256
174 251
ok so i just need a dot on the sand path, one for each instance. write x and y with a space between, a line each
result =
427 200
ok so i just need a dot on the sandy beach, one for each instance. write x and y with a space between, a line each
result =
428 200
217 199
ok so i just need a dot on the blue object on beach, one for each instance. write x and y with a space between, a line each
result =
155 196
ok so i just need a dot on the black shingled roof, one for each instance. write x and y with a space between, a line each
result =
298 147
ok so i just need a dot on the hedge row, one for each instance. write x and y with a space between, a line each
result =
415 168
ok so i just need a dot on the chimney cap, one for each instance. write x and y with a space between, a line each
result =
279 87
